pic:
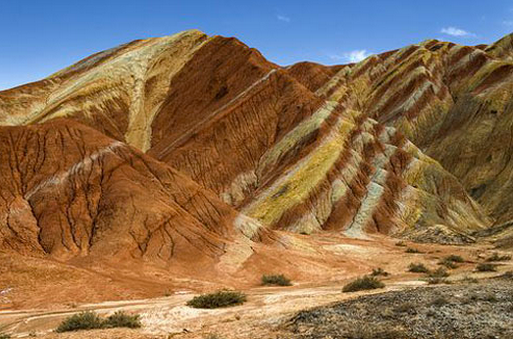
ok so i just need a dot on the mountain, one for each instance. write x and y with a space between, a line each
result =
174 148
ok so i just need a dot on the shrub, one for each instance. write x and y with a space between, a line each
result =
379 271
454 258
277 279
121 319
418 268
440 272
363 283
486 267
217 299
496 257
80 321
412 250
91 320
4 336
400 244
447 263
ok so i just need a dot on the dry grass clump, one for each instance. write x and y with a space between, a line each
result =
376 272
412 250
363 283
486 267
4 336
440 272
276 279
218 299
90 320
418 268
497 257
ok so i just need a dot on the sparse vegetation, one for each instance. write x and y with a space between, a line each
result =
449 311
4 336
276 279
90 320
418 268
122 319
448 263
497 257
223 298
400 244
412 250
440 272
454 258
363 283
379 272
81 321
486 267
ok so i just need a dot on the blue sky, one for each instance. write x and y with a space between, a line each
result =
40 37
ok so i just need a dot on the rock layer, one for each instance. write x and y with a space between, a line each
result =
194 142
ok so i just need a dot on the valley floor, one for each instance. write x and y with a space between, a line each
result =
272 312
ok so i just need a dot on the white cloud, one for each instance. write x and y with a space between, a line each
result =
458 32
353 56
283 18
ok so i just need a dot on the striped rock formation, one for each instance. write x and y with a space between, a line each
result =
66 190
206 128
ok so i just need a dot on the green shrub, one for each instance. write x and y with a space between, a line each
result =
486 267
363 283
80 321
276 279
497 257
418 268
412 250
440 272
217 299
379 271
91 320
121 319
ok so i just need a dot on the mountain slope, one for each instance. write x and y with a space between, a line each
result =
67 190
452 101
303 149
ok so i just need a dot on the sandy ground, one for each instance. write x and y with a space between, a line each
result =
267 308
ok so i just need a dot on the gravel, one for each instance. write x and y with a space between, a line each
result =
482 310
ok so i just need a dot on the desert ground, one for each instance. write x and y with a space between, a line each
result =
270 311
